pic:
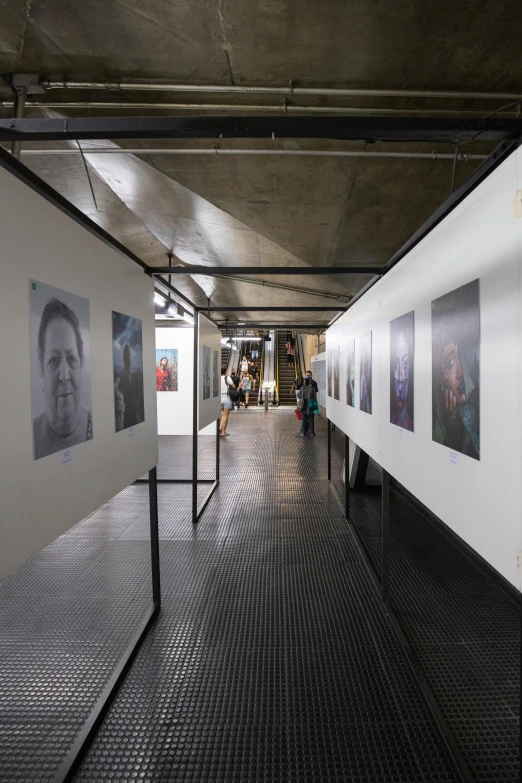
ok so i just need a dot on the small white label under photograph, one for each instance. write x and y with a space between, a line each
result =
66 456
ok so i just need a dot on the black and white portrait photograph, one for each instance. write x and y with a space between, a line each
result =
401 371
336 370
350 373
127 358
215 373
365 373
60 369
206 372
455 337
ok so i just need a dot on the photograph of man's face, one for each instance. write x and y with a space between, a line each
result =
455 336
127 362
401 371
365 373
60 369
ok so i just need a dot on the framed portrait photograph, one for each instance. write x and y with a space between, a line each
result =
60 369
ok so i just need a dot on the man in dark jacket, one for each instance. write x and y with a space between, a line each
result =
314 383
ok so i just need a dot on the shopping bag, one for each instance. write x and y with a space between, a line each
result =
298 414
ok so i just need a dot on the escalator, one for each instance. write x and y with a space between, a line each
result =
286 374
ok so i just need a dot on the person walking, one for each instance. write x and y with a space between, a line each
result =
290 351
314 383
307 400
226 402
254 374
244 364
297 385
246 386
237 394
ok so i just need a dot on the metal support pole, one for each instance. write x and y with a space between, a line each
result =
19 112
217 449
195 421
329 450
154 535
347 476
385 583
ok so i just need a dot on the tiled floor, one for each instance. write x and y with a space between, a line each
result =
271 659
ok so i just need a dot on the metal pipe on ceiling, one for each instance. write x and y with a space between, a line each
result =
435 155
290 89
284 108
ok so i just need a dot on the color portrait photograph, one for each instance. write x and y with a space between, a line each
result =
166 369
401 371
127 360
60 371
365 373
350 373
455 336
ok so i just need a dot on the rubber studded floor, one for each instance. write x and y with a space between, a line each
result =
271 659
464 629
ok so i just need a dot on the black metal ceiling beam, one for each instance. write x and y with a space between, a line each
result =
235 327
361 128
253 309
225 271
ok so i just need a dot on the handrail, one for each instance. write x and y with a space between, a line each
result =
261 367
276 359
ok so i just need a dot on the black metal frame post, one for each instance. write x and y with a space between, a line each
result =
329 449
218 422
154 535
195 420
347 476
385 582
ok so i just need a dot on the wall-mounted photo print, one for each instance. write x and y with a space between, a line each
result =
166 369
365 373
401 371
59 333
206 372
329 372
455 336
127 361
336 371
350 373
215 373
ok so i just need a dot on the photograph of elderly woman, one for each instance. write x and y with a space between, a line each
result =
127 359
60 369
455 337
166 369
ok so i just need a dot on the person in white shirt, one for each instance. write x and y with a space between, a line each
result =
244 364
226 403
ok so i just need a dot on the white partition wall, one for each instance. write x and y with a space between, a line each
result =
475 487
175 407
41 498
209 372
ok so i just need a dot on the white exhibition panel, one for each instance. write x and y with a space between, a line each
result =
481 500
175 408
42 498
209 343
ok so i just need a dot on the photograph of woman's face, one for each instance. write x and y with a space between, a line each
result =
453 374
62 377
60 369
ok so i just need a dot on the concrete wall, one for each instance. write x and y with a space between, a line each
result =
480 499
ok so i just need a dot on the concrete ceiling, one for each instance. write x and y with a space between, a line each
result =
254 211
